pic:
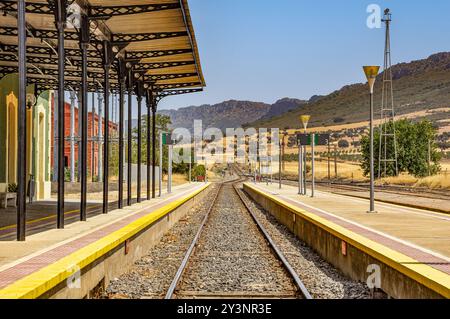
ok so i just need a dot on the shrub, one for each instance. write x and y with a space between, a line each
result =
413 140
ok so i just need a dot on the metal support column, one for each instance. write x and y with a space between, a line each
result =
79 97
129 136
22 121
169 170
100 138
84 43
139 95
312 164
149 109
161 150
154 105
60 17
55 137
372 167
92 135
122 80
300 169
280 159
72 136
107 60
304 169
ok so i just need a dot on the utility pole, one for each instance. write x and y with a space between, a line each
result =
169 178
329 161
335 162
190 171
429 157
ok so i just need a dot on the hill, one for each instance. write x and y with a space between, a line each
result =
230 113
418 85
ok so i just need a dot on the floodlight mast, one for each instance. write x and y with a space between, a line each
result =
387 113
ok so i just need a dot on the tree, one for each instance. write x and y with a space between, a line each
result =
413 140
198 170
162 123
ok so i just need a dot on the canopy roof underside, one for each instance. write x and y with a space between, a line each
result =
156 37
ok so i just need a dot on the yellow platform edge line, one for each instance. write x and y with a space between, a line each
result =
430 277
41 281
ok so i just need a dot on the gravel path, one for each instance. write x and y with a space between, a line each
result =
151 276
322 280
232 257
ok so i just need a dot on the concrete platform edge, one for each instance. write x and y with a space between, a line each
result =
47 278
425 275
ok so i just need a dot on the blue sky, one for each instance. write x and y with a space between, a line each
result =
264 50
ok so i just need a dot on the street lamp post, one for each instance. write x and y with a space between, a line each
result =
280 159
371 74
302 157
300 169
312 164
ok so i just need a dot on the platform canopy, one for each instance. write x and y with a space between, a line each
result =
154 38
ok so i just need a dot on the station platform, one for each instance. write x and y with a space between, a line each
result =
414 240
30 269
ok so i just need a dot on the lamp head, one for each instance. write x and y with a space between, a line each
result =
371 73
305 120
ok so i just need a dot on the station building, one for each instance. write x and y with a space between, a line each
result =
38 137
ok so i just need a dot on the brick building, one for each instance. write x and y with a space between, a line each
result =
93 130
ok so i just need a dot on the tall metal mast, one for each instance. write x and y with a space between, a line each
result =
388 155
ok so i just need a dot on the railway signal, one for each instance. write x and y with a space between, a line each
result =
319 139
310 140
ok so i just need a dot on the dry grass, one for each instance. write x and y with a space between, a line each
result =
348 171
340 127
434 182
402 179
441 181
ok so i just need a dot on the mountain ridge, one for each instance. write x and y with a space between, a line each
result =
419 84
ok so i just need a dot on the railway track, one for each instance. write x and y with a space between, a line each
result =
391 189
233 256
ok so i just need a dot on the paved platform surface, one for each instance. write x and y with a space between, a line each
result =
420 234
41 215
433 202
19 259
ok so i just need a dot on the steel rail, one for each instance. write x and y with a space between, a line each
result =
275 248
181 269
390 189
271 242
171 291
